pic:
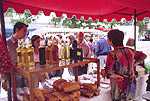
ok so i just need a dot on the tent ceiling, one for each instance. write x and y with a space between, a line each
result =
97 9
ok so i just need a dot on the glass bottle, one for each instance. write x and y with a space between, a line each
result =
30 52
19 56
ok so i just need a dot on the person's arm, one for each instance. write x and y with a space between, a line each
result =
97 48
109 62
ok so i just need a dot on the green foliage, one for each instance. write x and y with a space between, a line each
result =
26 17
9 12
141 27
56 20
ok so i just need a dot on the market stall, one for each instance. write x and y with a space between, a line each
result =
96 9
29 72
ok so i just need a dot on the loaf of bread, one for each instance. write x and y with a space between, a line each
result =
87 93
38 94
58 84
53 98
76 99
75 94
61 96
71 86
89 86
89 90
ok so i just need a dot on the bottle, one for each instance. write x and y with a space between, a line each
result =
65 51
19 56
49 54
42 55
62 51
68 51
24 56
30 52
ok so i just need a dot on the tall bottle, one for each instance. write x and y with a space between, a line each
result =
68 51
49 54
30 52
19 56
62 51
25 56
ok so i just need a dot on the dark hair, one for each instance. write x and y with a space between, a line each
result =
19 25
34 37
116 36
91 40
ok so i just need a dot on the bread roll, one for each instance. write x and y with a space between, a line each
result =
76 99
88 86
71 86
75 94
53 98
87 93
58 84
38 94
61 96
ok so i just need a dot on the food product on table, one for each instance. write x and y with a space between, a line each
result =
87 93
38 94
89 86
76 99
75 94
58 84
52 98
61 96
89 90
71 86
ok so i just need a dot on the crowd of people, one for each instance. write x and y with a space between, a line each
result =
116 60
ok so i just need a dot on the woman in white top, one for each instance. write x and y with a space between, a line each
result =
36 44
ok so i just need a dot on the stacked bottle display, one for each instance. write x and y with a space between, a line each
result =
65 52
53 52
25 56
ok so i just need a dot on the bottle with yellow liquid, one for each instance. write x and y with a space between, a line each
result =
49 55
30 57
25 57
19 56
68 52
62 52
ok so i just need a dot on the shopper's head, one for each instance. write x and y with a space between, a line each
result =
115 37
55 40
80 37
20 30
35 41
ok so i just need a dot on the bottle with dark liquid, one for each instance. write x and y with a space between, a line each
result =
42 55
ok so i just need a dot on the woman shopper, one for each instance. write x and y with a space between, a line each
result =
120 68
36 44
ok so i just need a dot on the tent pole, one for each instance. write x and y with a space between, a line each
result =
2 21
135 29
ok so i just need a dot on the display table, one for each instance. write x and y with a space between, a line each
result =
28 73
